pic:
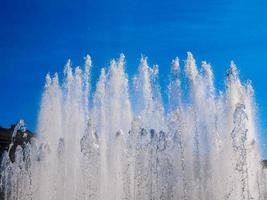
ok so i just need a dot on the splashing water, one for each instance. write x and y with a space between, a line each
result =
124 145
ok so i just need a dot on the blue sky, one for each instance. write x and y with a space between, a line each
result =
37 37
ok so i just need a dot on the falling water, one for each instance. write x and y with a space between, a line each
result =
122 141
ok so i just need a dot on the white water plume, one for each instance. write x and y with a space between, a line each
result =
200 145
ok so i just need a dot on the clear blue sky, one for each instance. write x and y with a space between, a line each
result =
37 37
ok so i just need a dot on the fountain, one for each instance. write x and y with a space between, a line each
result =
122 142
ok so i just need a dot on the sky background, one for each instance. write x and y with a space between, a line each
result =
37 37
